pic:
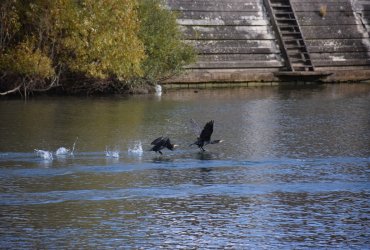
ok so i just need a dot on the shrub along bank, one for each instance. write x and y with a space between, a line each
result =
88 46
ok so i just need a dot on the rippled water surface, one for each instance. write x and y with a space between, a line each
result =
292 172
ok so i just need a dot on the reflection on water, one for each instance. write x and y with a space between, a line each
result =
292 172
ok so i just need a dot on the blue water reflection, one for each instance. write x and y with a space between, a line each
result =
292 172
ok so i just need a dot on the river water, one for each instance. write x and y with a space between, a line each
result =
292 172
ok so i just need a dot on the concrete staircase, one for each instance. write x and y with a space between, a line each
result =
289 35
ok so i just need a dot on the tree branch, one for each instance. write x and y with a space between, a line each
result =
11 91
54 83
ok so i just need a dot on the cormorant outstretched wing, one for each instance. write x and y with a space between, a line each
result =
195 127
207 131
158 140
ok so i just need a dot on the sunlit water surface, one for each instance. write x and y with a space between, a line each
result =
292 172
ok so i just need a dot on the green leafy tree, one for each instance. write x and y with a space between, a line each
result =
104 42
166 52
24 61
97 39
9 22
28 67
118 42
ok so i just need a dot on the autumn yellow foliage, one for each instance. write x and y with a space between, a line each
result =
23 61
119 41
104 42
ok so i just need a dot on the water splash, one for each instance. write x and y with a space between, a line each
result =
46 155
74 146
111 153
158 90
137 149
62 151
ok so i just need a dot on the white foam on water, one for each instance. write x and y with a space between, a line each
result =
137 149
46 155
62 151
158 90
111 153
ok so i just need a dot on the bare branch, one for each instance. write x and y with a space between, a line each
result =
54 83
11 91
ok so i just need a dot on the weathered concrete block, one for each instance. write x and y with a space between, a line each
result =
236 42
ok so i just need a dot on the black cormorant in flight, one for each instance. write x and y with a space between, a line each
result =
161 143
205 136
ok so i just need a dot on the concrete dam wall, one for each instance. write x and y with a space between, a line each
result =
274 40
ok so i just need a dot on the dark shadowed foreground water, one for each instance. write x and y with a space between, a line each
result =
293 171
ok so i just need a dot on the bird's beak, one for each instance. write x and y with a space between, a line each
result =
175 146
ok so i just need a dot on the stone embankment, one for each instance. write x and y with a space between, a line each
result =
259 41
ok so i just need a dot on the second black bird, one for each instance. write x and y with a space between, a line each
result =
161 143
205 136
